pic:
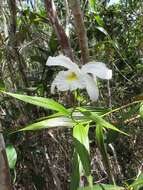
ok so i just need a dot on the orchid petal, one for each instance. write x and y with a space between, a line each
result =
91 88
98 69
59 82
62 83
64 61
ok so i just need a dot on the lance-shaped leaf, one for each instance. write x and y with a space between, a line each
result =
11 156
141 110
49 123
75 176
40 101
81 141
101 29
99 120
103 151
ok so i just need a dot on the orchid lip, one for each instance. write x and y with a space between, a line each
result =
72 76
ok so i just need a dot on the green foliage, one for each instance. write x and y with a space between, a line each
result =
75 176
11 155
2 86
100 23
141 110
138 183
58 122
92 4
81 142
102 187
114 37
40 101
101 29
102 148
100 121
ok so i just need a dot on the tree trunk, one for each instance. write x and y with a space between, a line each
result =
80 29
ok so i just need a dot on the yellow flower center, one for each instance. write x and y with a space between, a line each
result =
72 76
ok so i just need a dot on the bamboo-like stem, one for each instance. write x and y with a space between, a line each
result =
5 183
61 35
80 29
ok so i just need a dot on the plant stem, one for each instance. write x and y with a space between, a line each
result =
122 107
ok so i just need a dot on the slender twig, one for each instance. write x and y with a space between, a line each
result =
122 107
131 119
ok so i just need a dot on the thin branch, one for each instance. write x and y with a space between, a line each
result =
122 107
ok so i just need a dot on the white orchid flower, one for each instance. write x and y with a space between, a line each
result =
75 77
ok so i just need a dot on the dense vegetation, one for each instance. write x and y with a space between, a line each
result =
67 140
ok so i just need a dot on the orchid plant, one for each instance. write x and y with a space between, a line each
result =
71 79
78 78
75 77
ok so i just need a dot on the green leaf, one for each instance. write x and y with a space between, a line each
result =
141 110
11 156
75 176
49 123
102 148
81 141
99 120
99 20
40 101
138 183
101 29
2 86
102 187
92 4
97 110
